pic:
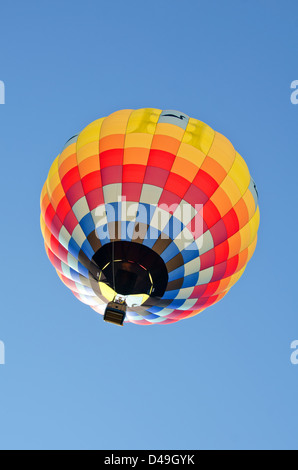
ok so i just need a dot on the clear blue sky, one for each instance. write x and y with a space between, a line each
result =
224 378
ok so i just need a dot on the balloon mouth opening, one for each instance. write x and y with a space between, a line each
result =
131 268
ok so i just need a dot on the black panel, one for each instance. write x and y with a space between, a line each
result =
133 265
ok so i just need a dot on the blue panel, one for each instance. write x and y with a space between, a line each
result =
173 228
151 317
87 249
87 290
177 274
170 294
170 252
74 275
113 211
176 303
152 236
73 248
83 271
87 224
155 309
190 253
191 280
102 233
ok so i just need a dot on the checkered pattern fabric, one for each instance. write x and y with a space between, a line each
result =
158 162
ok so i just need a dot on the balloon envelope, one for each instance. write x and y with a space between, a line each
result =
153 205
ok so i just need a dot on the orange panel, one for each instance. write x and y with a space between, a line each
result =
214 169
138 156
185 168
67 165
111 142
234 244
221 201
242 213
168 144
89 165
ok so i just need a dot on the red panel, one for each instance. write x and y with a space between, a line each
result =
206 183
211 288
63 208
58 249
156 176
221 252
207 260
56 226
198 292
92 181
195 195
231 222
111 158
219 271
95 198
211 214
132 191
133 173
232 264
161 159
54 260
75 193
111 175
70 222
168 198
49 215
70 179
177 184
219 233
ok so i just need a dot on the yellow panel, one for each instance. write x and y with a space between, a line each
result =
250 203
192 154
143 121
67 152
44 192
42 225
199 135
254 224
231 189
169 129
245 237
90 133
87 151
240 174
138 140
53 179
116 123
251 248
222 151
54 168
107 291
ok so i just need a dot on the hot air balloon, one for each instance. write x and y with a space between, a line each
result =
149 216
